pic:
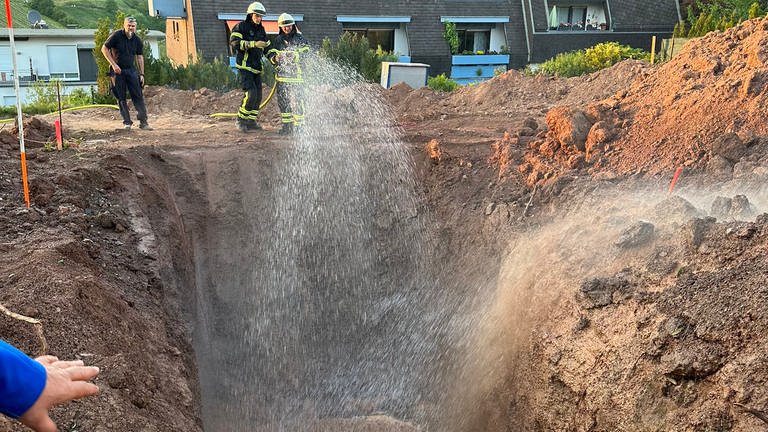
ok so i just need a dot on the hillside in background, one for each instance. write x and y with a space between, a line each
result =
81 13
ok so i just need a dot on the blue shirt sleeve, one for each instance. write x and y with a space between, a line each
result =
22 380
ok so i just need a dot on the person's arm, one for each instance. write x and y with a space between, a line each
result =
22 380
29 388
107 52
140 64
236 39
272 53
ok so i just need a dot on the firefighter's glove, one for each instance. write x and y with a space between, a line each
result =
254 44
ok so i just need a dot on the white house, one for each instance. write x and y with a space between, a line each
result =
45 54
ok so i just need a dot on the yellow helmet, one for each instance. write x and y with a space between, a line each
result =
256 8
285 19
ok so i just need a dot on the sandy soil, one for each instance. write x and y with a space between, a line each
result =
616 304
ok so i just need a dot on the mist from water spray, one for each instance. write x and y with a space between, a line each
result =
337 313
331 304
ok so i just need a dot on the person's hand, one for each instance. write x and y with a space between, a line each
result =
261 44
116 69
141 80
65 381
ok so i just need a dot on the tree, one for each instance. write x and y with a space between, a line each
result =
110 6
103 30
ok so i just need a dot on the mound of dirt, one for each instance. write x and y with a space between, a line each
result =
37 133
203 102
717 85
703 110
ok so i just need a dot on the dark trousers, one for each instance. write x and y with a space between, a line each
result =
289 101
249 108
128 80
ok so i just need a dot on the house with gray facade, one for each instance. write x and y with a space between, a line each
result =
528 31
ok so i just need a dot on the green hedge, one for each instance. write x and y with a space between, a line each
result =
354 51
215 75
44 100
704 17
589 60
442 83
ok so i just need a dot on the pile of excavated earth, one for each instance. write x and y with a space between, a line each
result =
625 301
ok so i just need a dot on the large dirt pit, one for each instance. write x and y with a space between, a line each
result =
509 257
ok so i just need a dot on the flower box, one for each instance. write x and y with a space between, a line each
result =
473 68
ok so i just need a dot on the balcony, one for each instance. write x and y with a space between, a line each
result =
474 68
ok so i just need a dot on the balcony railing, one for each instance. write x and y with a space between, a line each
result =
580 26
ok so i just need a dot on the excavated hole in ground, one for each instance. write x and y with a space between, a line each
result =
364 322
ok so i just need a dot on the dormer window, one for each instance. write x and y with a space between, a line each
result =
571 16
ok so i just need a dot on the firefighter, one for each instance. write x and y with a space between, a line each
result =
285 54
248 40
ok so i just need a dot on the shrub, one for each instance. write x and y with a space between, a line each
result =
44 97
215 75
452 37
354 51
607 54
565 64
442 83
718 15
592 59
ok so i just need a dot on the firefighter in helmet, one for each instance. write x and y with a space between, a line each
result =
249 41
286 54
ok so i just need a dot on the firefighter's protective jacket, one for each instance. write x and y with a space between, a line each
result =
286 53
247 58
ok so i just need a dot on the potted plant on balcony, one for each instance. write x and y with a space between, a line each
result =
451 36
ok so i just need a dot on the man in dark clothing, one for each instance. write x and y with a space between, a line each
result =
248 40
124 51
285 55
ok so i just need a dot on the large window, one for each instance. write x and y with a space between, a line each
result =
62 62
569 16
474 38
484 34
377 37
385 31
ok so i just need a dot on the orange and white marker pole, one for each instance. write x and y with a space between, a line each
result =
18 102
57 128
672 184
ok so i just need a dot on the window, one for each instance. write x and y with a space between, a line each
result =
479 33
385 31
474 39
383 37
6 65
567 16
62 62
